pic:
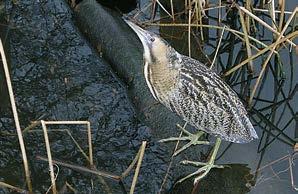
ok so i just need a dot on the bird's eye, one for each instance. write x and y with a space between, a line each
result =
152 39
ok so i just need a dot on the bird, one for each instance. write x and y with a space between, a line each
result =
195 93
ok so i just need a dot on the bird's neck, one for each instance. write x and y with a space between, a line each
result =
161 77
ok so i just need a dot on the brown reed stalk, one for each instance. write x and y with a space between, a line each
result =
16 118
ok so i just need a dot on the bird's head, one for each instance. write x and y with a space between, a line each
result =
154 46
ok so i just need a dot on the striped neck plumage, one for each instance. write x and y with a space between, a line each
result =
147 78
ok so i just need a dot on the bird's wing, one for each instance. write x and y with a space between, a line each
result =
204 100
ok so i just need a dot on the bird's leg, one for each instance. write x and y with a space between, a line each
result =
192 138
206 167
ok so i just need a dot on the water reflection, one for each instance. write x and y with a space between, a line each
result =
234 178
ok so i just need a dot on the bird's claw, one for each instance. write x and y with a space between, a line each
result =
192 138
203 171
206 167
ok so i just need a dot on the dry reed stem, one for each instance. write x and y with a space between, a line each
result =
90 143
72 138
78 146
296 146
251 45
142 10
276 11
16 118
199 11
196 12
138 159
265 24
247 19
275 175
282 14
291 159
247 43
88 158
134 181
215 7
189 22
209 8
271 10
269 57
172 10
270 47
209 26
87 123
56 175
66 122
17 189
71 187
31 126
271 163
219 13
217 48
132 164
235 32
49 155
164 9
82 169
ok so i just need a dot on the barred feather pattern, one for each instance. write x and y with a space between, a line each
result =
205 101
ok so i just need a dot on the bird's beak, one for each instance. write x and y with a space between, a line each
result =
142 34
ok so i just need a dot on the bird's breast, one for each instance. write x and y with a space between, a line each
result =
163 80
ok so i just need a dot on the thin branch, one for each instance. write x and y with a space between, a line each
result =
16 118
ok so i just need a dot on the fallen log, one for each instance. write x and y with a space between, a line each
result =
120 46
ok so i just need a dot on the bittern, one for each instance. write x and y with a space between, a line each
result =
196 93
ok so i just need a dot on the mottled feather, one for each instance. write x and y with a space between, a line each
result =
204 100
190 89
201 97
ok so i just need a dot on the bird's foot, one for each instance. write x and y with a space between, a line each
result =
194 139
206 167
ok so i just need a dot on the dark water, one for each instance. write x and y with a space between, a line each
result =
58 76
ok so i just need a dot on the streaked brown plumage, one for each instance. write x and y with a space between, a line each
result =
191 90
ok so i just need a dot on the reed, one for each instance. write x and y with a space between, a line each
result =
16 118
